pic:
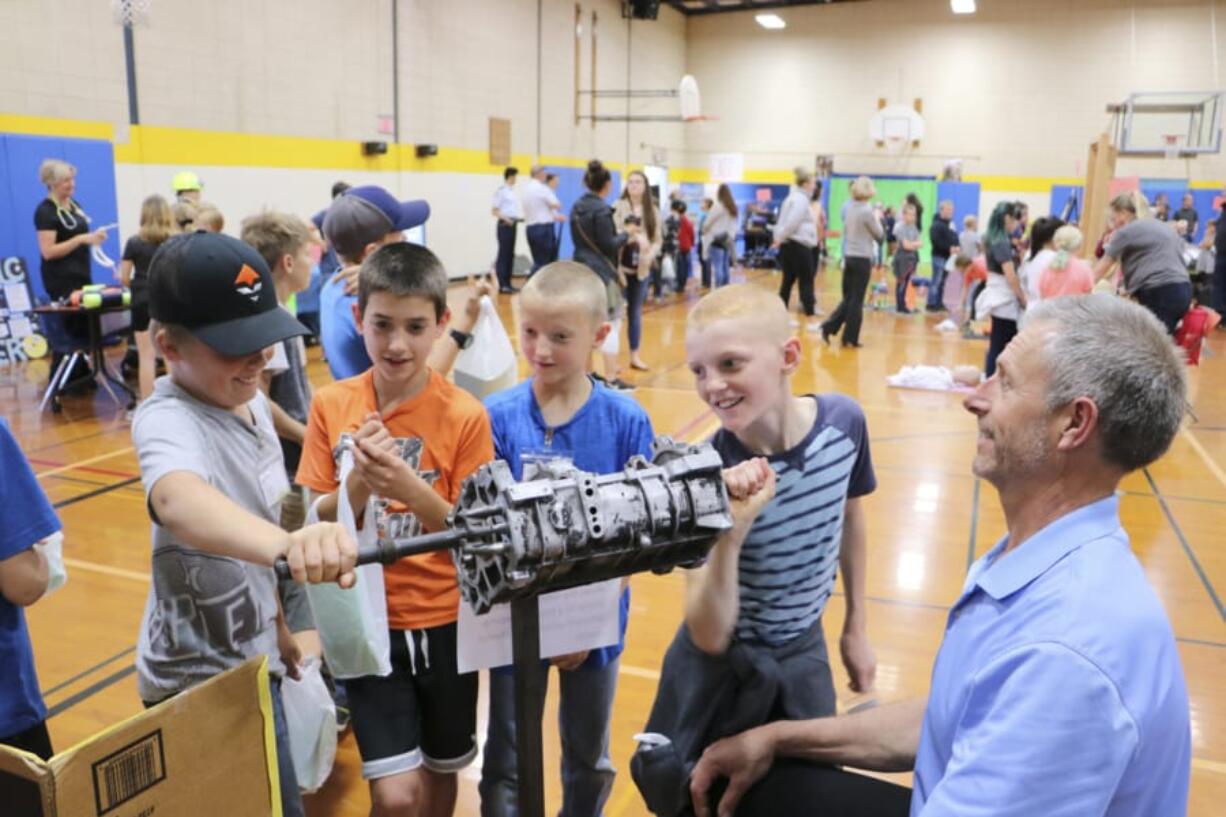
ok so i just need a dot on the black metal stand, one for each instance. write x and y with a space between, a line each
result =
530 680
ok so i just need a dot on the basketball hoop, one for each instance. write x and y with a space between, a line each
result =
895 145
1171 142
128 13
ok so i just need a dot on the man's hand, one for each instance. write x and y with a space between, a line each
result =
859 660
573 661
321 553
743 759
350 276
751 484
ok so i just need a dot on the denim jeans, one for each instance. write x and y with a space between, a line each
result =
584 711
936 290
719 265
540 241
683 270
506 254
635 290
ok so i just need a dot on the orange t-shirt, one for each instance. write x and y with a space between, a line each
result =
445 436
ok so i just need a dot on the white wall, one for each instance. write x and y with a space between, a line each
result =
1016 89
322 69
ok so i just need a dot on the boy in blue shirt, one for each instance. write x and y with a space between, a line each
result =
561 413
23 580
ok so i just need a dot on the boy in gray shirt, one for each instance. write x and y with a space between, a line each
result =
970 243
214 479
906 257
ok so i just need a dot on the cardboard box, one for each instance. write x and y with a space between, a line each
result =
210 750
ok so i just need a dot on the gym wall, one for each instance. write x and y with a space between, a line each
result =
1018 89
269 101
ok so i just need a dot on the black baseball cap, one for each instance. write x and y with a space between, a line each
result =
221 290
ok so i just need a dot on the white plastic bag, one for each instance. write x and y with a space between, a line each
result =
53 551
310 716
352 623
489 364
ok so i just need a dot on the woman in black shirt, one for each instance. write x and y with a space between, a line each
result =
64 237
64 241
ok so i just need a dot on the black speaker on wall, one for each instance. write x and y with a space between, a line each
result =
374 148
641 9
426 150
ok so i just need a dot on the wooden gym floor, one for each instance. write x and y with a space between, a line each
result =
928 520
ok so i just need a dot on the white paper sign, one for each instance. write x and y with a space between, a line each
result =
17 298
573 620
20 327
727 167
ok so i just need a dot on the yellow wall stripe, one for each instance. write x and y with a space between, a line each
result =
151 144
51 126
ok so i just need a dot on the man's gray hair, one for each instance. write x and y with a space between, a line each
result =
1119 355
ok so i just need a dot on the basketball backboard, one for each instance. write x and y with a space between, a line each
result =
1149 124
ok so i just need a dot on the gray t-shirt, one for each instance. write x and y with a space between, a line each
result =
1150 253
906 232
206 613
969 243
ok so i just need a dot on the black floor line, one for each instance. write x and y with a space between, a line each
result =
1187 547
106 489
90 671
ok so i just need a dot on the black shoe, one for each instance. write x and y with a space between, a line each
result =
507 290
618 384
826 333
903 311
847 344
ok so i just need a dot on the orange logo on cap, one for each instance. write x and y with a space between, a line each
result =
248 282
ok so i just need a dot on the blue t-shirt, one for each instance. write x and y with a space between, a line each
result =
604 434
791 555
343 346
30 518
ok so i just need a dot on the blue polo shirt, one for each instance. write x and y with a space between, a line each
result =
29 518
338 334
600 438
1058 688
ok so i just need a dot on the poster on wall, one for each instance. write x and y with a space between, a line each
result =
21 336
727 167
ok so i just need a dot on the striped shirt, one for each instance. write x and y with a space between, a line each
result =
791 556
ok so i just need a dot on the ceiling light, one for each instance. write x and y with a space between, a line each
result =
771 21
962 6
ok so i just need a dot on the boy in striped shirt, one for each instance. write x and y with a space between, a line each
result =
751 649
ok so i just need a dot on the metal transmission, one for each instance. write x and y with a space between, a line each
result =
513 540
568 527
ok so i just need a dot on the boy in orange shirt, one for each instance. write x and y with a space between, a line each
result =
416 437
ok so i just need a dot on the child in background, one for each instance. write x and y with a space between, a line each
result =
156 225
906 258
1066 274
685 245
970 243
972 272
416 437
214 478
209 218
23 581
562 413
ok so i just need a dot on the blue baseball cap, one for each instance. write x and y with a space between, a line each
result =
362 215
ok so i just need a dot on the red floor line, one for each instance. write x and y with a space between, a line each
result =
86 468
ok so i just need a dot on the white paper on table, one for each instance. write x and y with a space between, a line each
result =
572 620
17 297
20 327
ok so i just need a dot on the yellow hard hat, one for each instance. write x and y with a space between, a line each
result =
186 180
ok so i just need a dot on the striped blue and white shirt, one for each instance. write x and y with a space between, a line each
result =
790 558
